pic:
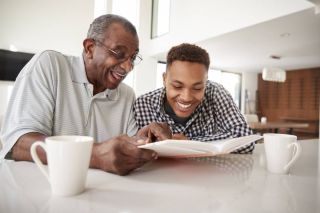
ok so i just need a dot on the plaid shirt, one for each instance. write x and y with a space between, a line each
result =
216 117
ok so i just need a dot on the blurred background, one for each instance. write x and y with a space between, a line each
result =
266 53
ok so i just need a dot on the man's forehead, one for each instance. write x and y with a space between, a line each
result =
117 30
117 36
187 73
187 66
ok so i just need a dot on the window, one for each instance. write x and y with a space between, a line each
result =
100 8
160 17
126 8
130 10
231 82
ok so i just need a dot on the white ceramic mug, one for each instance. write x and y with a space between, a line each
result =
282 151
68 159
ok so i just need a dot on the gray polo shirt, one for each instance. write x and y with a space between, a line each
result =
53 96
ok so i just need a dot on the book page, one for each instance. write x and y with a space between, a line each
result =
232 144
189 148
176 148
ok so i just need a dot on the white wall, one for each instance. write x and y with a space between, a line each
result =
38 25
186 23
145 73
194 21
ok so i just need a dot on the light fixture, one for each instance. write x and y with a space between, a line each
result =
13 48
273 74
285 35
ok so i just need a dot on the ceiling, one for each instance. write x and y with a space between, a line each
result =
295 38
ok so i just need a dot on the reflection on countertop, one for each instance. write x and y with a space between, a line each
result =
225 183
238 165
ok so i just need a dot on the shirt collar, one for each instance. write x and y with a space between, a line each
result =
159 102
113 94
79 74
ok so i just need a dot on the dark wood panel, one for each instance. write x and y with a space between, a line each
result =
297 98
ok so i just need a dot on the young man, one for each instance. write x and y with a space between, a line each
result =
56 94
194 107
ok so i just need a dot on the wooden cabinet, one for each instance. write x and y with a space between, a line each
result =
295 100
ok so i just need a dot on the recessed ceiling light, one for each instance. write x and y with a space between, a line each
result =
13 48
285 35
278 57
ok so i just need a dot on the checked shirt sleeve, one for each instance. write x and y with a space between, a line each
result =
144 108
229 121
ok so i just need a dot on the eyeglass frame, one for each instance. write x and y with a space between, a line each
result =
135 59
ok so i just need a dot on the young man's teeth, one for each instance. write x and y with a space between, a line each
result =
184 105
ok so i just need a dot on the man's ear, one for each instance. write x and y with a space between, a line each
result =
88 46
164 76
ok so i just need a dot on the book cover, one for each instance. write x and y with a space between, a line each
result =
191 148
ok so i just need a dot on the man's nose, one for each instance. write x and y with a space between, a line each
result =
186 95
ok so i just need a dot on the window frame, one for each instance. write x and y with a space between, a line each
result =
155 19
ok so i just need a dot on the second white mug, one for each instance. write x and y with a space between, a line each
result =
68 159
282 151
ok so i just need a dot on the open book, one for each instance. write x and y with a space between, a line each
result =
189 148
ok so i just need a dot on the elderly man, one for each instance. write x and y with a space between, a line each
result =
56 94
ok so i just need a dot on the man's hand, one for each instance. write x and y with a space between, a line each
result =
179 137
155 132
120 155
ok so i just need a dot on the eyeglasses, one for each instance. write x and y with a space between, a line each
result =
121 56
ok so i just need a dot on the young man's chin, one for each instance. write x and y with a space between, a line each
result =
182 115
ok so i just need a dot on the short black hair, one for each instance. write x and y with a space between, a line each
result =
99 26
190 53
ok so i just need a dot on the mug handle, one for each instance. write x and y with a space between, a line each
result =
296 154
36 159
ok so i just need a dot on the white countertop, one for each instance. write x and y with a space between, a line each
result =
228 183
